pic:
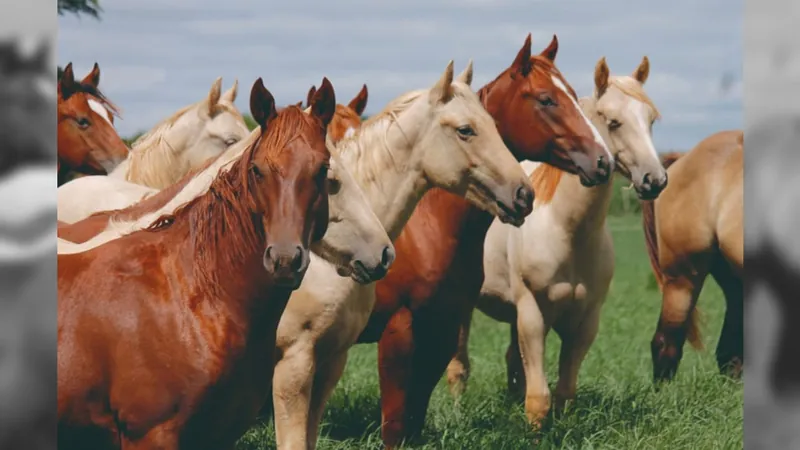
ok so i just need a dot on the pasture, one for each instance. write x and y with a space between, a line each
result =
617 406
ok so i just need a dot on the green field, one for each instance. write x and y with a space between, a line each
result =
617 408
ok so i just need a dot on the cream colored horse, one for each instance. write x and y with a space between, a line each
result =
355 242
437 137
159 158
555 270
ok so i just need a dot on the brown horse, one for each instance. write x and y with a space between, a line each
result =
347 118
692 230
87 141
164 334
435 280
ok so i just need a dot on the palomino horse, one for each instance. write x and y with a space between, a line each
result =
355 241
555 271
348 117
180 143
179 358
441 137
692 230
422 301
87 143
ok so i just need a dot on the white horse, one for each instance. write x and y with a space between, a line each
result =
159 158
355 237
555 270
437 137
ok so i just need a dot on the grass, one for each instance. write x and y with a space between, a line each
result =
617 408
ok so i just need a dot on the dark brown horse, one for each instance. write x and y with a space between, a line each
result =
435 280
88 144
164 334
695 229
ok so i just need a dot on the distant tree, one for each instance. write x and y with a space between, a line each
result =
250 122
78 7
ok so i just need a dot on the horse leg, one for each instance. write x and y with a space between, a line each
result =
515 373
532 333
291 395
163 437
575 343
730 349
679 297
458 369
395 350
327 375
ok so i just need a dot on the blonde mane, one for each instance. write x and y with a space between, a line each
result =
152 160
632 88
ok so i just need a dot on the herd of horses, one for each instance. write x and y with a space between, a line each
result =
209 274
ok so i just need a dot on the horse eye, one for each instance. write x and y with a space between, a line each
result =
614 124
83 122
256 170
231 141
333 186
546 100
465 132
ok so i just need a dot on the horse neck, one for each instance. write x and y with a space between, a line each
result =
159 160
386 166
581 211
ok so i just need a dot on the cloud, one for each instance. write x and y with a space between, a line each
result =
167 53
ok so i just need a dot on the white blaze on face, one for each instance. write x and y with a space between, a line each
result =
641 112
595 133
350 132
101 110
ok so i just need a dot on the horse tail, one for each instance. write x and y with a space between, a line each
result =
693 334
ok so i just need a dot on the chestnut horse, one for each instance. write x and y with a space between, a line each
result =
693 229
178 144
433 286
87 143
348 117
554 272
179 357
436 137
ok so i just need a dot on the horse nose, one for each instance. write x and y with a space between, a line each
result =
387 257
654 185
523 199
291 259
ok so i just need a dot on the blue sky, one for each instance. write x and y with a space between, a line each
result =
157 56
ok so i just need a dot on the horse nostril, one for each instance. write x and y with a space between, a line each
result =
647 179
297 260
387 257
524 196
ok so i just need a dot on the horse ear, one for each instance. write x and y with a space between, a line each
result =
214 94
643 71
442 91
262 105
522 63
552 50
466 76
323 102
299 104
93 78
67 86
230 95
359 102
601 75
311 91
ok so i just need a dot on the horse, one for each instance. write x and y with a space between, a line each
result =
178 144
693 229
355 241
87 143
432 286
437 137
196 297
555 271
348 117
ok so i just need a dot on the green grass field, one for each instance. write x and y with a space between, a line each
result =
617 407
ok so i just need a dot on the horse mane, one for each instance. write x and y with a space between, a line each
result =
545 179
221 222
651 243
633 88
91 90
151 153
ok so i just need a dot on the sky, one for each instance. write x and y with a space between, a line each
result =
157 56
